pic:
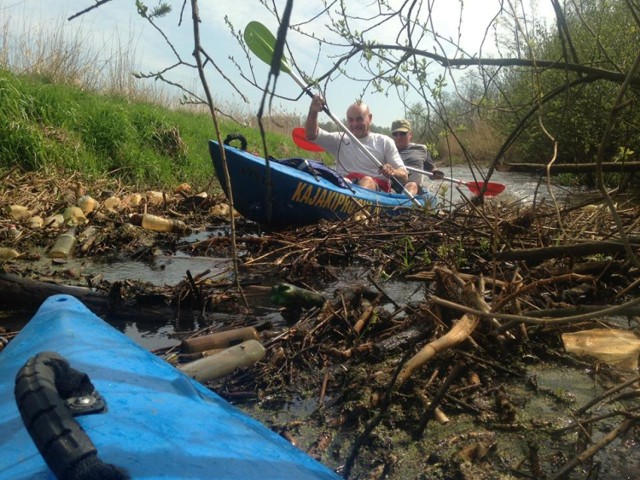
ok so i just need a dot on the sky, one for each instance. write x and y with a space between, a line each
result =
117 25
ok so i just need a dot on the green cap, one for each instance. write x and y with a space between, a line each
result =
400 126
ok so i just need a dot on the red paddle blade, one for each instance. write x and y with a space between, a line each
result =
300 138
492 190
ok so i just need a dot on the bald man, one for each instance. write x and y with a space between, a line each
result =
351 162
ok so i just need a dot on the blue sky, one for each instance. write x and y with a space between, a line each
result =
117 23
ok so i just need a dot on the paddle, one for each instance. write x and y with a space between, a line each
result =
300 138
262 42
492 188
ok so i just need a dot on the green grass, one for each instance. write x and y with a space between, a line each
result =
63 128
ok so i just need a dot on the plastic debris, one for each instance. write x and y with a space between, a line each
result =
619 348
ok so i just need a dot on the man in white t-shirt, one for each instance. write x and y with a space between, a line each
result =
350 160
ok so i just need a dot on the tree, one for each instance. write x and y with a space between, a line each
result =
569 89
605 35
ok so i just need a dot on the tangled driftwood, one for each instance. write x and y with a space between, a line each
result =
499 284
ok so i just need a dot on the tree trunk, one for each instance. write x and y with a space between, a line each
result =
555 169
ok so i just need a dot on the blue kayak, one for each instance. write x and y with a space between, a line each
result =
302 191
128 411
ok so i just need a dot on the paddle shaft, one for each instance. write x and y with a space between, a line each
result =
262 43
489 189
436 177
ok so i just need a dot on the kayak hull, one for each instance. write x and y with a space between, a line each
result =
299 196
158 422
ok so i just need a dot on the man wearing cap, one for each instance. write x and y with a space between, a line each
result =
350 161
413 155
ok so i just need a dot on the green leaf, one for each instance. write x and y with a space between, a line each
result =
262 42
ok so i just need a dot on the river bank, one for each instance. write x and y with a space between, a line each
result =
503 399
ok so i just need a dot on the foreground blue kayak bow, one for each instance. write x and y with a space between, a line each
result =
130 412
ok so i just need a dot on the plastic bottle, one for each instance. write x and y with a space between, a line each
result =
112 204
222 364
54 221
287 295
19 212
35 222
7 253
87 204
219 340
74 216
132 200
65 243
161 224
155 197
14 233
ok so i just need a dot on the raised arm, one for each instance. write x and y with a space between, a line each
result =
311 125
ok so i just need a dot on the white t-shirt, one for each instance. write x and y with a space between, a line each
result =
350 158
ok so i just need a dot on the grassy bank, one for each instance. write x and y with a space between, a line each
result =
63 129
66 108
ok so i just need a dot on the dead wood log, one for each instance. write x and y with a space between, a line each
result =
363 319
19 292
558 168
433 405
569 277
538 255
467 277
458 333
607 394
400 341
26 294
516 320
581 310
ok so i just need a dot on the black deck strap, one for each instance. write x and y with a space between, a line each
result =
236 136
46 390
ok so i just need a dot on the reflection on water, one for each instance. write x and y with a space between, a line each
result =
149 337
163 271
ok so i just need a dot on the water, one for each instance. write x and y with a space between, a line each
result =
567 385
519 186
165 271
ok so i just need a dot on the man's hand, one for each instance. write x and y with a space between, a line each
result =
317 104
311 124
387 170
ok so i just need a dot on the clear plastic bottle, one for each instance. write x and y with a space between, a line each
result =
161 224
223 363
223 339
64 246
